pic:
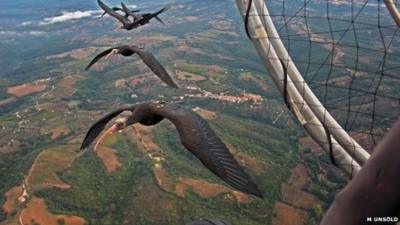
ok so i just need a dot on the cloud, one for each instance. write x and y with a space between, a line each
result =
66 16
36 33
12 33
26 23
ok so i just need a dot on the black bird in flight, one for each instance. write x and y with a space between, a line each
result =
116 8
126 23
195 134
137 16
147 58
210 222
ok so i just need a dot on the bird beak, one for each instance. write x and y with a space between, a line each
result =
113 52
81 153
111 130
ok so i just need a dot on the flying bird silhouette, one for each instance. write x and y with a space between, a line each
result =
195 134
147 58
137 16
126 23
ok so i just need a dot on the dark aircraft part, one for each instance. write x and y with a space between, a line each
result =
374 193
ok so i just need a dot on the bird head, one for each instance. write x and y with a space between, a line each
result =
140 46
119 124
113 52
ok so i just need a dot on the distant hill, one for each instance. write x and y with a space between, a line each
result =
144 176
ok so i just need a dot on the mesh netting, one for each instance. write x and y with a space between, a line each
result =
348 53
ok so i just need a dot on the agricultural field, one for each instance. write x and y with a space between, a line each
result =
144 175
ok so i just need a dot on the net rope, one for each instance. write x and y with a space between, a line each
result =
346 52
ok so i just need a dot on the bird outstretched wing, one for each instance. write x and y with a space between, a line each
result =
98 57
99 126
155 66
151 15
159 20
130 12
198 137
113 13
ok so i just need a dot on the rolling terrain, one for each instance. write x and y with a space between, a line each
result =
143 175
